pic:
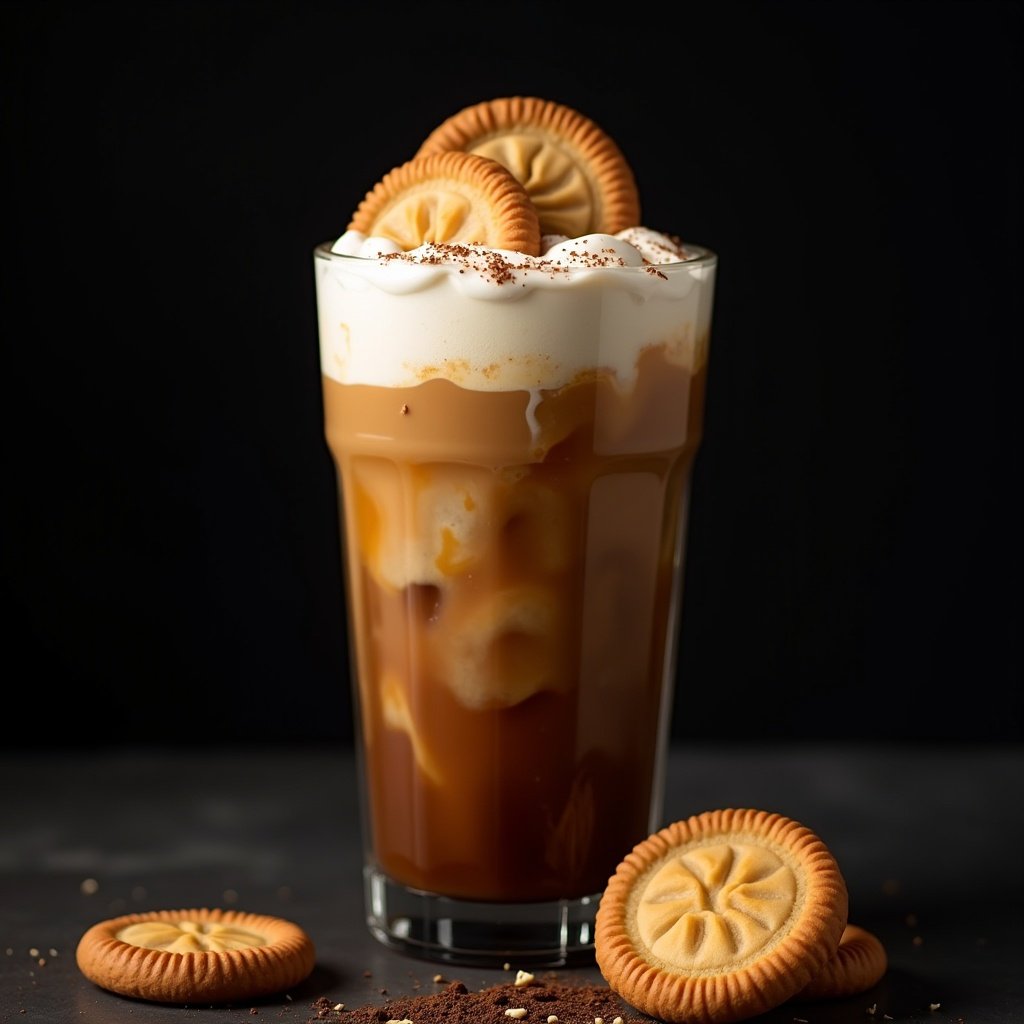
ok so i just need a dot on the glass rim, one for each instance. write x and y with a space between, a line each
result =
700 256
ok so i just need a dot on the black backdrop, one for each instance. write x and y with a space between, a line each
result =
170 548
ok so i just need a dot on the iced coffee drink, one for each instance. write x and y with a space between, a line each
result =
514 435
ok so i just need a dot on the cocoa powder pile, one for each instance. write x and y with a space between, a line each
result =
571 1004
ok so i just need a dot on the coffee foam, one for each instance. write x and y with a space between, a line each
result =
494 320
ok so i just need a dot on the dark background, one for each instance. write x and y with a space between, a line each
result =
171 561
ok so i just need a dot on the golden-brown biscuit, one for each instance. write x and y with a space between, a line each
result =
572 169
195 956
720 917
859 963
450 198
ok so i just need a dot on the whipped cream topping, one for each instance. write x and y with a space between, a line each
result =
632 247
492 319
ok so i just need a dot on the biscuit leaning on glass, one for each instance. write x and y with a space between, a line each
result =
513 373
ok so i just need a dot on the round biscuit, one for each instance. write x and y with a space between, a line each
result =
575 173
450 198
195 956
859 964
720 917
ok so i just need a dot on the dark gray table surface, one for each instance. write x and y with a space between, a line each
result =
930 839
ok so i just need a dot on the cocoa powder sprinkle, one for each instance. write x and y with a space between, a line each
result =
456 1004
500 267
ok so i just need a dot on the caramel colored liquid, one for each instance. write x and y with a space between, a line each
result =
512 585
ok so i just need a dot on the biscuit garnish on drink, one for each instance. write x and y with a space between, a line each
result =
450 198
574 172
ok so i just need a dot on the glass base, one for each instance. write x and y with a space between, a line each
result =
476 934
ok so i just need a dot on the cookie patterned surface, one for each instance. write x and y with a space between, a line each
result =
197 955
450 198
720 917
575 173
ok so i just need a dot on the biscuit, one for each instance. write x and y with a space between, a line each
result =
450 198
195 956
859 963
720 917
574 172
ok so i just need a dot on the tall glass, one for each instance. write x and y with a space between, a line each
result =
514 457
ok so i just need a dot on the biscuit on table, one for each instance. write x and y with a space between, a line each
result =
720 917
196 956
859 964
